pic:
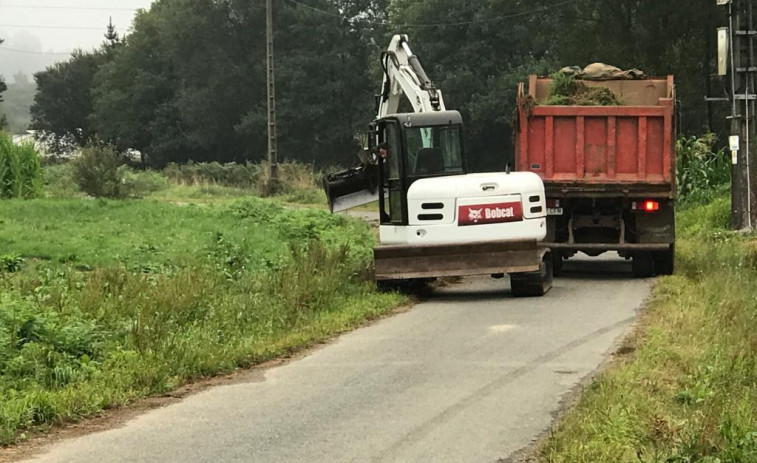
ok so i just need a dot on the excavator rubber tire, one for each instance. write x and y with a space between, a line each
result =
533 284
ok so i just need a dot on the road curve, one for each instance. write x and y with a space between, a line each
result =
470 375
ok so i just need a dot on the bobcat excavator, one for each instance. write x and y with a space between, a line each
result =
436 219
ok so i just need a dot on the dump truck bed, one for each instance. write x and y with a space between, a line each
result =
593 151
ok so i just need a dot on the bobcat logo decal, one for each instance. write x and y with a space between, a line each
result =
490 213
474 214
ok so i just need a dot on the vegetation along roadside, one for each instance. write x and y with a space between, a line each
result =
105 301
684 386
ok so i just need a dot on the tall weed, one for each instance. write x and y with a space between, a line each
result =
214 173
299 182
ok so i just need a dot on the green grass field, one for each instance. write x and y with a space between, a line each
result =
103 302
687 392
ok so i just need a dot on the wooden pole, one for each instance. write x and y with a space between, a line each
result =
273 162
743 122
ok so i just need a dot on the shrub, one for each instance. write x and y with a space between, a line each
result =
101 172
137 184
58 181
96 172
20 172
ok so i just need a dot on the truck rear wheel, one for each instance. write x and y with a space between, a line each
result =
664 261
643 264
533 284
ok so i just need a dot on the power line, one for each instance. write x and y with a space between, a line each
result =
461 23
29 52
33 26
55 7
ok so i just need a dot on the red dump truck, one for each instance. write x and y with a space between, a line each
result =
609 171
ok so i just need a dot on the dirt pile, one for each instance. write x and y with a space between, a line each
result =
565 90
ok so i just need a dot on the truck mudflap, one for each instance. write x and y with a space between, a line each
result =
403 262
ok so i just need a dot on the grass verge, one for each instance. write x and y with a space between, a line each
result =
688 390
103 302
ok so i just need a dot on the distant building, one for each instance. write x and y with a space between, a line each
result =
30 137
24 138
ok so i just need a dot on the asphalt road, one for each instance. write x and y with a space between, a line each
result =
470 375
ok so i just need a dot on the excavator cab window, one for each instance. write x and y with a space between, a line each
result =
433 151
410 148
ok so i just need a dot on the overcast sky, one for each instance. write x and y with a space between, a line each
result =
35 31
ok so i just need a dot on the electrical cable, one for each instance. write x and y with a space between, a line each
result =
32 26
29 52
64 7
461 23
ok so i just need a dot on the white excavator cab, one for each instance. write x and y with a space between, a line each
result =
412 147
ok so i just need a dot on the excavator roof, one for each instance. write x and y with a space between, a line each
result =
428 119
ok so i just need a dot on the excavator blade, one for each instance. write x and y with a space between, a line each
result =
351 188
433 261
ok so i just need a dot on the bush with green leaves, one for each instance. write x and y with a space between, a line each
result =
96 172
20 171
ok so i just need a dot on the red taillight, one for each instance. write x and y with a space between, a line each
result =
646 206
651 206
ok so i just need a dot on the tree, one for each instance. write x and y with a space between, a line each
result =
63 103
476 53
658 37
112 39
189 81
179 87
327 87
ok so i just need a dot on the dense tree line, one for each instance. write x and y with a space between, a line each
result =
189 81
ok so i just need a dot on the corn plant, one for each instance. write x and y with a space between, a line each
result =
20 172
702 172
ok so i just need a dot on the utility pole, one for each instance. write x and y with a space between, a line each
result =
737 48
273 161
